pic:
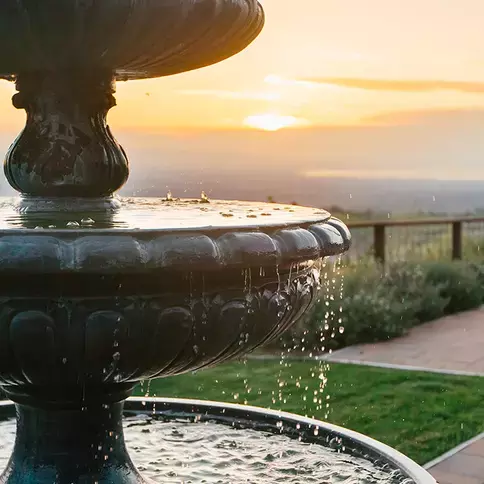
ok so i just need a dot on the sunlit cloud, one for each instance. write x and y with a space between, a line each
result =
364 174
275 80
273 122
436 117
382 174
400 85
233 95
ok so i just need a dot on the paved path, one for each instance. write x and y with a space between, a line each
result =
464 465
454 344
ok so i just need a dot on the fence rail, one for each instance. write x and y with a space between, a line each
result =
399 240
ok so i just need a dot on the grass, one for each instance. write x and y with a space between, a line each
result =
421 414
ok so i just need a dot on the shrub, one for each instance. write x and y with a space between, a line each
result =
370 316
407 282
377 305
458 282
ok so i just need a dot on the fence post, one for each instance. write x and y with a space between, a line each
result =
379 243
456 240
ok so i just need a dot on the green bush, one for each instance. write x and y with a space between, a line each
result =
458 282
407 283
378 305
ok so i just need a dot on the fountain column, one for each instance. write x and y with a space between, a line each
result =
66 148
83 445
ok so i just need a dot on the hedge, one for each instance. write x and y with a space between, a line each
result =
376 305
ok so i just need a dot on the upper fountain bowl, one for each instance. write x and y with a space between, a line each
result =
93 302
135 39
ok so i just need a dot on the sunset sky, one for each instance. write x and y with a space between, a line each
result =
324 62
384 66
327 62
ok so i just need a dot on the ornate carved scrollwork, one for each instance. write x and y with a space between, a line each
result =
83 344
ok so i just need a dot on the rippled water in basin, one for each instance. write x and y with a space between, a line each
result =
183 452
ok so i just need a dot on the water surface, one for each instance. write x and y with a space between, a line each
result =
179 451
154 214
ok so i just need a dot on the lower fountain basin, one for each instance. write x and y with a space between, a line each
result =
173 439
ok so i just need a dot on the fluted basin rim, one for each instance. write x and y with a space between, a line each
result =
133 39
230 235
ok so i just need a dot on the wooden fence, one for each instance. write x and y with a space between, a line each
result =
388 240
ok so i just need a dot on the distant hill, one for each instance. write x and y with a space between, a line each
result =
397 196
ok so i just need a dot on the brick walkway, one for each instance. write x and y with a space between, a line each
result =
454 343
451 344
464 467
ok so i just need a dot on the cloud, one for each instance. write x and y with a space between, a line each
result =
281 81
458 116
372 174
401 86
234 95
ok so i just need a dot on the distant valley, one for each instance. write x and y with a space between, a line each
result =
378 168
379 195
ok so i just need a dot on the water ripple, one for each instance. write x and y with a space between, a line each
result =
212 453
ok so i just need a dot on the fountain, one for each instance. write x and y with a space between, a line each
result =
98 293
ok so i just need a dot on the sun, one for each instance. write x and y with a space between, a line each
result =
271 122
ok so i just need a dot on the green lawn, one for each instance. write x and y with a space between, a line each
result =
421 414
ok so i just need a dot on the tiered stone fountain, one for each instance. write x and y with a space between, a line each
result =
98 293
